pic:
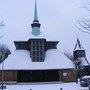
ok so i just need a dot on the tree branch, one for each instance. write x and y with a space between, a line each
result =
85 25
2 24
82 30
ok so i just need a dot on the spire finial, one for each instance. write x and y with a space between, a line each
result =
35 12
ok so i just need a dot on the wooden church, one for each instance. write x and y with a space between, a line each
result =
37 59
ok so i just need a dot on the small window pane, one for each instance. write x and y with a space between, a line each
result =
37 43
41 58
33 53
33 42
37 53
37 58
64 74
37 47
41 42
33 47
41 48
33 58
41 53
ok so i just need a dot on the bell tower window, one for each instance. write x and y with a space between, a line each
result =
37 50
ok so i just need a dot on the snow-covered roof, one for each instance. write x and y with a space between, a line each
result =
20 60
30 35
86 77
83 61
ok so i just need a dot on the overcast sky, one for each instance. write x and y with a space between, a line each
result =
58 19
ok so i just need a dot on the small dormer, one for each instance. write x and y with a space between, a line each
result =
78 50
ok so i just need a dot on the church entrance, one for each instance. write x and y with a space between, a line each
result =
52 75
23 76
37 76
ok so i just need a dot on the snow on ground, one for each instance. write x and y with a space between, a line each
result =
65 86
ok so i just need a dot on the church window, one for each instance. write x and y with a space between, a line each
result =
33 42
33 47
41 47
37 53
37 47
64 74
41 53
34 53
37 50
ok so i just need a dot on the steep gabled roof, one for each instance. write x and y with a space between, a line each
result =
20 60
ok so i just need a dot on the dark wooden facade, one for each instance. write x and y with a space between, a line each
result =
9 76
78 54
27 76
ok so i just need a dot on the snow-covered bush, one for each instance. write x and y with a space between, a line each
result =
85 81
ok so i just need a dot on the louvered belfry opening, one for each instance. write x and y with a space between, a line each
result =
79 53
37 49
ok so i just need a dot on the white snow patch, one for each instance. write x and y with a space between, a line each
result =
65 86
83 60
30 35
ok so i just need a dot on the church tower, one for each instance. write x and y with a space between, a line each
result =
78 50
37 51
37 43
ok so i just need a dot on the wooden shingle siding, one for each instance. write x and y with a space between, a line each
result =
68 75
60 75
9 76
63 75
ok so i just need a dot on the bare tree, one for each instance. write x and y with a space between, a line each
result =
4 52
2 24
84 24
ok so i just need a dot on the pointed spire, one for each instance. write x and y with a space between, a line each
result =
35 25
78 45
35 12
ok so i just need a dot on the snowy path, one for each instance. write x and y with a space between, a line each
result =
65 86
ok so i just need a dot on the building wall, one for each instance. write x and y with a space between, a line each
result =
9 76
64 75
68 75
78 53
